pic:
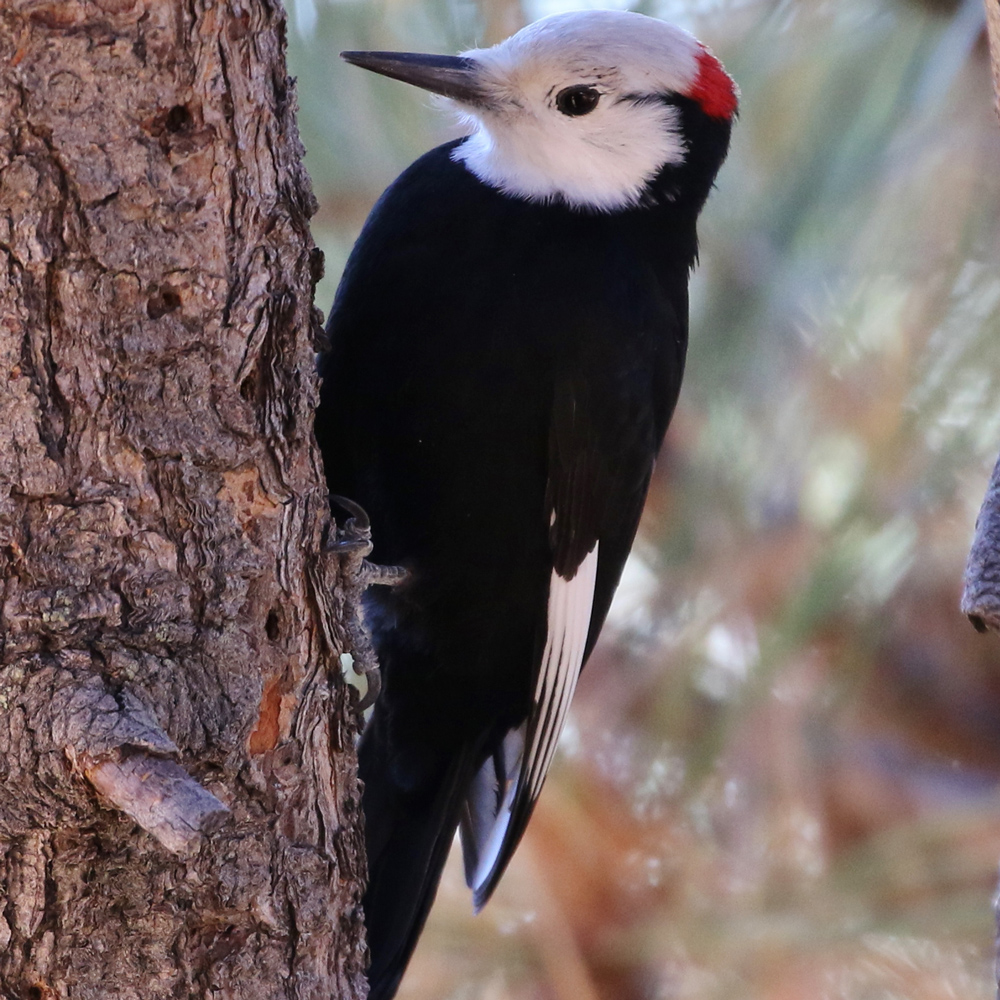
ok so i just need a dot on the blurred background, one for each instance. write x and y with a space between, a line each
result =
781 776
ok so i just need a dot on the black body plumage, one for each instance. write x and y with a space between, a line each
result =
500 376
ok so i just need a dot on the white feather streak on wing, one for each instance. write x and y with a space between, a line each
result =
562 689
548 696
580 626
570 606
547 686
569 611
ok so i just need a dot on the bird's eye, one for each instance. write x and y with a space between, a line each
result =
576 101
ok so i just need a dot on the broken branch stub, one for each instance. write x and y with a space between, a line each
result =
160 796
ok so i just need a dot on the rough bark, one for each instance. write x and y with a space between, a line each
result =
178 803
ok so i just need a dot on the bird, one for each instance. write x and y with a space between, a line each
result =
505 352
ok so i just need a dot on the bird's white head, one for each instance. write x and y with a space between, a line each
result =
578 110
575 107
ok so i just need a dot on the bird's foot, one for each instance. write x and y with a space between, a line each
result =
353 543
354 537
383 576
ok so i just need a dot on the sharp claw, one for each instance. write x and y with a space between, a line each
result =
354 535
374 678
360 516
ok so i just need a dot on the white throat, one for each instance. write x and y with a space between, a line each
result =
527 161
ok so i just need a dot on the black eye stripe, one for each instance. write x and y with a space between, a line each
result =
578 100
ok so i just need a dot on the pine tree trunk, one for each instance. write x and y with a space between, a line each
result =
178 800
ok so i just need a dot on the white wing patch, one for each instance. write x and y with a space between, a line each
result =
571 603
517 771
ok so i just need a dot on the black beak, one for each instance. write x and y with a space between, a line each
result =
451 76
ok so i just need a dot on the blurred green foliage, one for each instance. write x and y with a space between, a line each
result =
780 778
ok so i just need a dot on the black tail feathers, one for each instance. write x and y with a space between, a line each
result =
412 809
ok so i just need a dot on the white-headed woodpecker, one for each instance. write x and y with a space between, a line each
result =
506 349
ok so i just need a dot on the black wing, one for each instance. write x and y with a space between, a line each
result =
609 412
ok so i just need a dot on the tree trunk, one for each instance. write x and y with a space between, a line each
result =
179 812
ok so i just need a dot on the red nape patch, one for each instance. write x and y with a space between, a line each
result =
713 88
